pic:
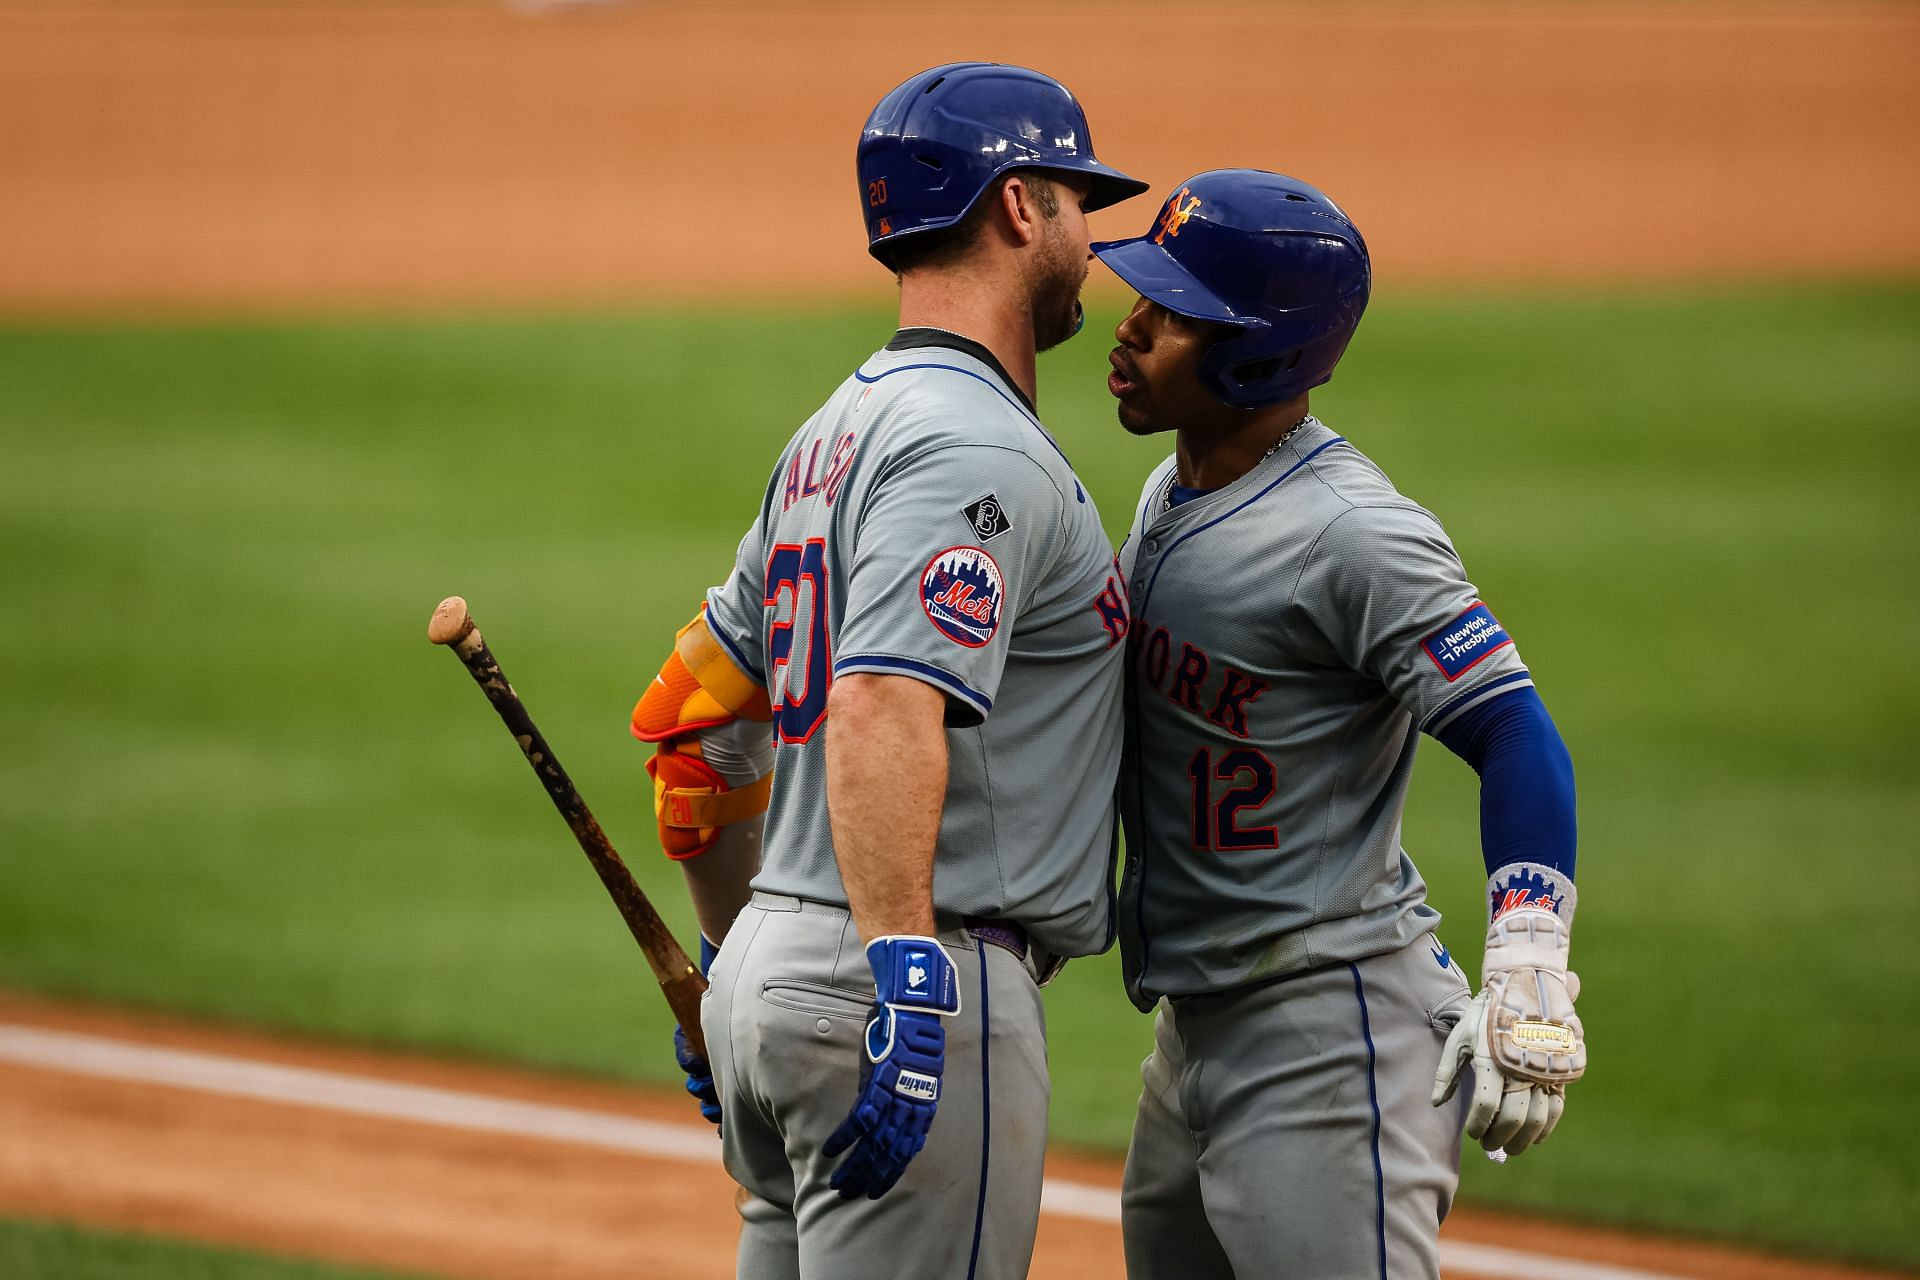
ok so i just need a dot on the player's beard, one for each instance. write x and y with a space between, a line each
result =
1055 299
1138 422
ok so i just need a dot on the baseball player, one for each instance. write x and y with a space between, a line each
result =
1296 625
921 638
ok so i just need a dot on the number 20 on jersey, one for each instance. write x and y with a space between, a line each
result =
797 593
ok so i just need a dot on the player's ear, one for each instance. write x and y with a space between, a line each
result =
1020 209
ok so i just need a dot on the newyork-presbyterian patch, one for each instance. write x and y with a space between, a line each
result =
961 590
1466 642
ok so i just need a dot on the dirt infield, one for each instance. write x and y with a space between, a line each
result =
287 154
223 1160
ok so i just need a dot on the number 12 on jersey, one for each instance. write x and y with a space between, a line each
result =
1216 820
797 591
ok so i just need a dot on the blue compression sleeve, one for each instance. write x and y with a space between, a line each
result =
1526 780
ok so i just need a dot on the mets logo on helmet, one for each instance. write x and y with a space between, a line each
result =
1177 214
961 590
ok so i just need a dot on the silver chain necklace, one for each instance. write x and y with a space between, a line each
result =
1166 499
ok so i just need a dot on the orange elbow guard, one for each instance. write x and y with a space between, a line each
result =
698 688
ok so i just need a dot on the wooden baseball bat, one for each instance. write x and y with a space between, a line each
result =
681 982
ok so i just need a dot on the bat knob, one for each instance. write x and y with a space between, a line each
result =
450 622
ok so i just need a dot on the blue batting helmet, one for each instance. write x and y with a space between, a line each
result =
1269 256
936 142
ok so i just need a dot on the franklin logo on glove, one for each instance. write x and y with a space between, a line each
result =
914 1085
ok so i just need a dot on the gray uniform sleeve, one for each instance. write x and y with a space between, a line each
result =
949 548
736 606
1385 587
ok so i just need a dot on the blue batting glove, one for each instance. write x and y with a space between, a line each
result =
906 1048
699 1075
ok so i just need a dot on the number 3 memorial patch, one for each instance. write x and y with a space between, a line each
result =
961 591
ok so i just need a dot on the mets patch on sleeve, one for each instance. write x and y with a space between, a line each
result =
961 590
1466 642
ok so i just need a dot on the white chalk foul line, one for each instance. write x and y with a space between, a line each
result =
454 1109
356 1095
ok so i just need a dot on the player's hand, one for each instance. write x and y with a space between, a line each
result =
900 1070
699 1075
1520 1033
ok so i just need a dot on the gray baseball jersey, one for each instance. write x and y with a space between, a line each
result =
923 523
1292 635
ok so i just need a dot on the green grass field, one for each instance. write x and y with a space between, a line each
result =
239 782
54 1251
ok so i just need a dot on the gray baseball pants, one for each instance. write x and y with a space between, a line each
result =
785 1019
1285 1130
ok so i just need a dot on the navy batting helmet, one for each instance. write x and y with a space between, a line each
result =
1268 255
936 142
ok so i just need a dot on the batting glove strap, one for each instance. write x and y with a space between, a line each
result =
1526 939
913 974
1529 920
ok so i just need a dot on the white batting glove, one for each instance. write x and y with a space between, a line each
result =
1520 1033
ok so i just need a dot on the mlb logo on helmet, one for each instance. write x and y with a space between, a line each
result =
961 590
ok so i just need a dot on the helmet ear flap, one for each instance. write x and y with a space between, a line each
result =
1245 372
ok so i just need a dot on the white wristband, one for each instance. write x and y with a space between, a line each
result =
1530 886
